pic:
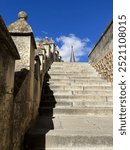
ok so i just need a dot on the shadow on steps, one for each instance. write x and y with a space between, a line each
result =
35 138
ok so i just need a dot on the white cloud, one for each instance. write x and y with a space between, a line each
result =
38 38
79 45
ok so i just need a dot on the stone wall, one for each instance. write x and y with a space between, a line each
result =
22 43
101 56
8 55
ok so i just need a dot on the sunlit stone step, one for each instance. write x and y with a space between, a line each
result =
72 92
68 132
81 88
77 103
91 111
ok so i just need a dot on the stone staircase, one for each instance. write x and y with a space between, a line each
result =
75 111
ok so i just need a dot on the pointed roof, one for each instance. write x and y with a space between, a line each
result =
72 57
21 25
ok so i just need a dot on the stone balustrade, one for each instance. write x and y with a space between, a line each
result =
51 51
26 74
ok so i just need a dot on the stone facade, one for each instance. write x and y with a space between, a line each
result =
101 56
8 55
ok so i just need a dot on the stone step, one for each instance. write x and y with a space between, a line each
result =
71 132
75 78
72 63
79 84
91 111
88 124
75 110
78 97
103 147
76 81
76 139
60 141
77 103
71 92
81 88
77 70
54 89
72 70
71 66
80 74
79 80
52 75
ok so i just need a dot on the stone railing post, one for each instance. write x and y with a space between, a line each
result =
47 48
52 53
57 55
53 47
60 58
44 59
23 38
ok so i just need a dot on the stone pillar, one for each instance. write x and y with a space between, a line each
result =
22 35
57 55
53 46
47 47
44 58
37 86
23 38
41 53
60 58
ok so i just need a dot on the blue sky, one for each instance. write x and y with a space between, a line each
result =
77 22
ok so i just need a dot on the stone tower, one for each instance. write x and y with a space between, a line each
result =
23 37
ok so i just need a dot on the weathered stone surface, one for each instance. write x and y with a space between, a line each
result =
8 54
21 25
24 47
105 66
101 55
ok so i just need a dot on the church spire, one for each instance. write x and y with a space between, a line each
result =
72 57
